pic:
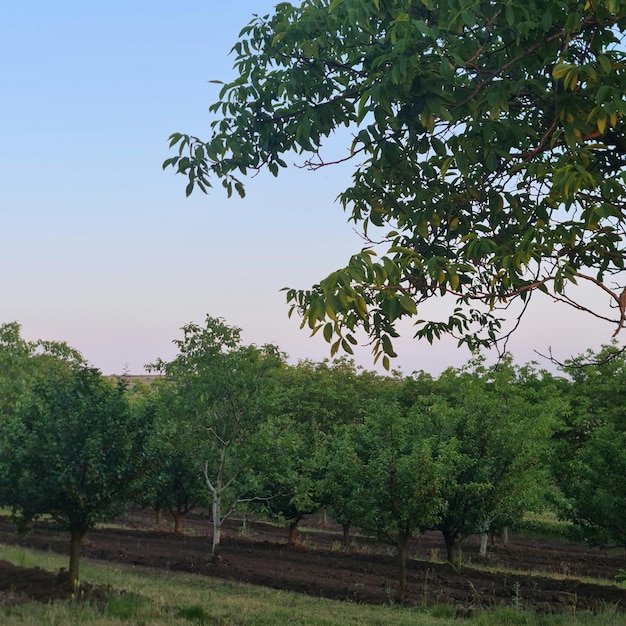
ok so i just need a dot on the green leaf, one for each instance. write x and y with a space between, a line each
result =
328 332
334 4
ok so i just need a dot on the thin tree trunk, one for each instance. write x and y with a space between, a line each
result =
346 535
76 541
178 523
216 506
157 516
217 526
484 537
293 528
402 549
505 536
452 549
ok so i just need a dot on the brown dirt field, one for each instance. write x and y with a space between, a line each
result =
318 567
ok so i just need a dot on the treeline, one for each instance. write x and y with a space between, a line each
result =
233 427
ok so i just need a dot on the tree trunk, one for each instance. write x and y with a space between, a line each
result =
217 526
178 523
505 536
293 528
484 537
216 507
402 549
346 535
76 541
157 516
452 549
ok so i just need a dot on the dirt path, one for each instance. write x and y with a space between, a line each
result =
365 574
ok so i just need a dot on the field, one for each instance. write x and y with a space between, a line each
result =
541 575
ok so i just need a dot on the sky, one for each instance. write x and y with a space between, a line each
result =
99 246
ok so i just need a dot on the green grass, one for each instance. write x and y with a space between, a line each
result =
547 525
160 598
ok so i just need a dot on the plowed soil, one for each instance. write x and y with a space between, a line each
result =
318 566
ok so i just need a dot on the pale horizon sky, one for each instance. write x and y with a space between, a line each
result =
99 246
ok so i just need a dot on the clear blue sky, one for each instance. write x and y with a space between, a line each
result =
99 246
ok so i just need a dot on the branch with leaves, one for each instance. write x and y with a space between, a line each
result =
489 147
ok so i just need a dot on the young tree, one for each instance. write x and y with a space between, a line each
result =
400 477
76 452
289 465
590 452
312 401
342 487
22 365
488 142
221 383
595 486
174 481
501 419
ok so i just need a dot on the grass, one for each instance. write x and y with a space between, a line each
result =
159 598
538 573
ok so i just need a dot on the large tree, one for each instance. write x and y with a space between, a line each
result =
75 452
488 143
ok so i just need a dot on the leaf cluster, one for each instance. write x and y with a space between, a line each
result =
488 145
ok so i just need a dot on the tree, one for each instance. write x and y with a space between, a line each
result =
220 383
400 477
590 452
174 481
343 486
312 401
76 452
22 365
501 419
489 150
596 488
289 464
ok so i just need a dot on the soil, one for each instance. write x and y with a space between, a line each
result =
318 566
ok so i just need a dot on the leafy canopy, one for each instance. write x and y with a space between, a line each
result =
488 144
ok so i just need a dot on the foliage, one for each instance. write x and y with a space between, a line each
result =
590 455
488 145
76 452
24 362
328 394
174 479
220 383
501 419
399 478
289 464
